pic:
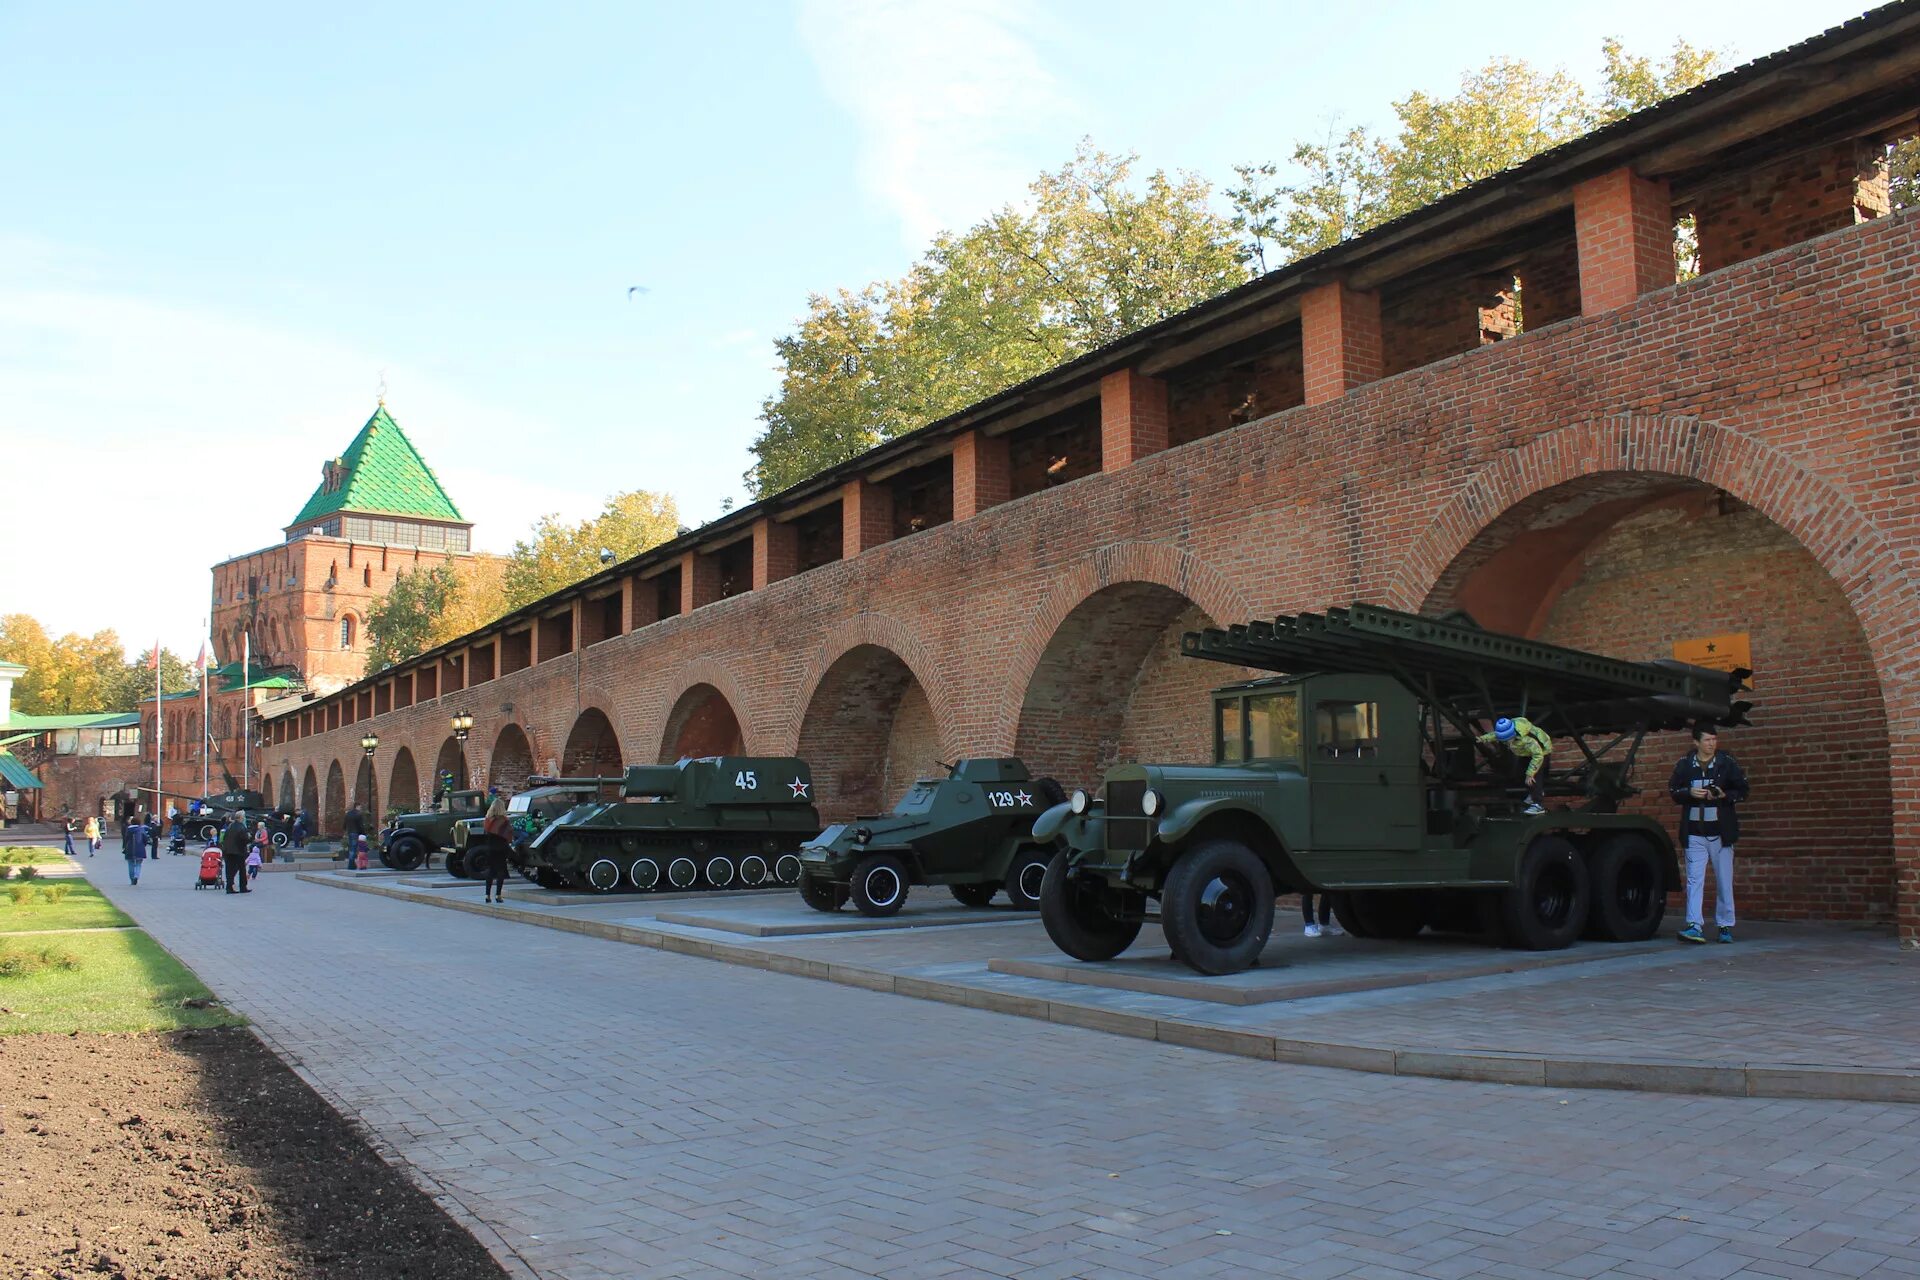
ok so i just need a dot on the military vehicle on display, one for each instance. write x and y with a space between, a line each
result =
718 822
411 839
1361 773
529 812
971 831
214 810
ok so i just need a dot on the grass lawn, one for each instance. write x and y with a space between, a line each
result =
19 855
125 982
83 908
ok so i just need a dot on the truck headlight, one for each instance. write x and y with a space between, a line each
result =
1150 802
1078 802
861 835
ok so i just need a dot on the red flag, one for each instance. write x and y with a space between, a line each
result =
201 661
153 663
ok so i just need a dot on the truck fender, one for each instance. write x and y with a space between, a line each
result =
1180 821
1047 826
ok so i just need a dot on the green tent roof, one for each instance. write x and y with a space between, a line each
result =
86 720
381 473
17 775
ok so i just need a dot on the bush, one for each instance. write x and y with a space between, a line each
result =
55 893
31 960
21 894
26 873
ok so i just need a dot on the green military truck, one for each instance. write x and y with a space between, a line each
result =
971 831
1361 773
530 811
717 822
410 840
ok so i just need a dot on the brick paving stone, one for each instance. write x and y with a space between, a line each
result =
615 1111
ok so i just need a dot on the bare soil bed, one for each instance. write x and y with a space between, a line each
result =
194 1154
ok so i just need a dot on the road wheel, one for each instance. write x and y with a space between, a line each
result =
1629 890
719 872
457 864
973 895
1545 907
753 871
681 873
209 832
1080 914
786 868
643 874
879 885
281 840
1398 914
1217 907
1025 876
822 895
602 875
404 853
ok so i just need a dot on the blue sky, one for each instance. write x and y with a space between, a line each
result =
224 222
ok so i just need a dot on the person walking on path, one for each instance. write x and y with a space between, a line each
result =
233 853
1528 740
1708 784
66 825
134 847
1326 924
299 833
353 826
492 853
253 864
93 834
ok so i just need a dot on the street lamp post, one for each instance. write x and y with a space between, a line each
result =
370 742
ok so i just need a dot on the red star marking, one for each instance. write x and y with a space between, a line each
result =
799 789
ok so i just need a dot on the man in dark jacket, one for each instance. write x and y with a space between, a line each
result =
1708 785
354 825
136 846
233 852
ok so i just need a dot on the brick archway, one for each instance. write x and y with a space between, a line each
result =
452 759
403 783
511 761
1841 539
878 631
1118 564
871 722
593 746
333 817
695 684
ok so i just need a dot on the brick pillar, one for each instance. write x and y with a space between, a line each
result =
1339 340
1133 418
866 517
981 474
699 581
642 597
1624 226
776 552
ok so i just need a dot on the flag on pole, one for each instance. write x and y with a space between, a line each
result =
153 661
201 661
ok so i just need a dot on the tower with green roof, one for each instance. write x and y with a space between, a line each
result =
382 491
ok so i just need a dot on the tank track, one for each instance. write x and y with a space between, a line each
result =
674 862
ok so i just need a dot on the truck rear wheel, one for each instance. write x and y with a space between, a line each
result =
404 853
1079 916
1545 907
1629 891
822 895
973 895
1025 876
1349 918
1391 913
879 885
1217 907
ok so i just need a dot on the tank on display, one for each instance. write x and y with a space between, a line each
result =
719 822
971 830
411 839
529 812
1362 773
216 809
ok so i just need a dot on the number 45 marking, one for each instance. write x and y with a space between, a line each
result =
746 781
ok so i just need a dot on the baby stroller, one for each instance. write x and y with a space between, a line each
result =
210 869
177 842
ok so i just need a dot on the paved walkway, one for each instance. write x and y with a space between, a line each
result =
608 1110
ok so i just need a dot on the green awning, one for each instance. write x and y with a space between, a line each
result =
16 775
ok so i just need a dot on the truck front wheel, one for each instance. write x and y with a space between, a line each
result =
1079 917
1217 907
1545 907
879 885
404 853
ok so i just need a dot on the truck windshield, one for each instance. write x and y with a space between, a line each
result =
1273 727
1230 741
519 804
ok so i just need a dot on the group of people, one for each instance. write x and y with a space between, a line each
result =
241 852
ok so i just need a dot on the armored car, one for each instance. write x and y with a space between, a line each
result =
971 830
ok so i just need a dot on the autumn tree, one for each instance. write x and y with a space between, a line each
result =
1502 114
1090 256
77 674
559 554
400 624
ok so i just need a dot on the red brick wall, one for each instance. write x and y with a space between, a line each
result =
1739 380
1792 200
1214 396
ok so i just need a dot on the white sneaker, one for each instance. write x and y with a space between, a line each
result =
1313 931
1533 809
1332 929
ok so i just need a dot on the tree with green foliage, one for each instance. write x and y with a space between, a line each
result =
77 674
400 624
1503 113
559 554
1090 257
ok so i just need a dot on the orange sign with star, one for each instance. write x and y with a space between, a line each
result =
1719 653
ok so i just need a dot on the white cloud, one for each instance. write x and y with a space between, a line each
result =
944 95
141 443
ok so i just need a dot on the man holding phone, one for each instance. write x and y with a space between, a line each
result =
1708 785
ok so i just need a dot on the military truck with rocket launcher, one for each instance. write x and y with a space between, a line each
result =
1360 772
717 822
971 831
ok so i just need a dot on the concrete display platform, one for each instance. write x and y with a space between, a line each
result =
439 882
524 892
1789 1012
1296 968
779 920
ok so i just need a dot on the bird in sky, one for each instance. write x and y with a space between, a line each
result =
636 288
